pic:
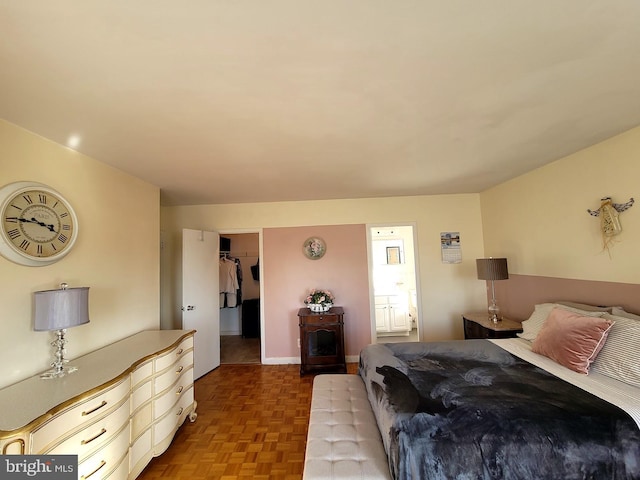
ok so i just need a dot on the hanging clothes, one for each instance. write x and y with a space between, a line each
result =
228 283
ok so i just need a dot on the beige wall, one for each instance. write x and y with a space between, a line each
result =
446 290
539 221
116 254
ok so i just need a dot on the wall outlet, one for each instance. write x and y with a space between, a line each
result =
298 343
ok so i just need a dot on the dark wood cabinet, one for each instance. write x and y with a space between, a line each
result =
322 341
479 325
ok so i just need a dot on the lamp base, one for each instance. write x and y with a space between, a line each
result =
57 373
494 313
58 368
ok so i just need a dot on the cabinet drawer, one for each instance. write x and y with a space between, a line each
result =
94 435
84 412
163 403
320 318
141 373
141 420
140 395
140 451
102 463
174 355
169 424
166 379
121 472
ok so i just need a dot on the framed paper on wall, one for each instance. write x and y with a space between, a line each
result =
393 255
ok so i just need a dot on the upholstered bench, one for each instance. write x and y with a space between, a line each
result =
343 441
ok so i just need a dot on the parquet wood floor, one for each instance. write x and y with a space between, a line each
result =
252 424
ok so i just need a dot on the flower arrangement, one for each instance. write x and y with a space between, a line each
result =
320 297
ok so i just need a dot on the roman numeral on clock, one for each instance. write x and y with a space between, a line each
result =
25 244
14 233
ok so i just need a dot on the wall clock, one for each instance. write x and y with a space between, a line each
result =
314 248
38 225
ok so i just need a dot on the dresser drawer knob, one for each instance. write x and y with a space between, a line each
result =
102 464
178 371
89 412
102 432
179 412
179 390
179 352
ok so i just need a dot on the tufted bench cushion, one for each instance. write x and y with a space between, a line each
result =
343 440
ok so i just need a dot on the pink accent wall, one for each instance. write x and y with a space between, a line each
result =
289 275
518 295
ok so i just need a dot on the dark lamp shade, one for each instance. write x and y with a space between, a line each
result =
492 268
60 309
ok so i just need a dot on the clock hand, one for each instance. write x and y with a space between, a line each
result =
33 220
42 224
19 219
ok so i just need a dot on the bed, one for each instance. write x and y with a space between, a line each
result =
501 409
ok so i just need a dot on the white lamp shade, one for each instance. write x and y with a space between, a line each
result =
60 309
492 269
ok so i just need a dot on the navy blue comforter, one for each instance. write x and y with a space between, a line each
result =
470 410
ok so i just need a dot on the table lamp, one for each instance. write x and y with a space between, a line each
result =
492 269
58 310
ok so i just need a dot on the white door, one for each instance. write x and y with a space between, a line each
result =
201 297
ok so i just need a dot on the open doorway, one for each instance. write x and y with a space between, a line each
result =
393 283
240 329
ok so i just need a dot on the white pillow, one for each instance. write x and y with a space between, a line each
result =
586 307
620 355
533 324
620 312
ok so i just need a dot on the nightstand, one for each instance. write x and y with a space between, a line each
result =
478 325
322 341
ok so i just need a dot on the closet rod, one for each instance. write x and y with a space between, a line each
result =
239 254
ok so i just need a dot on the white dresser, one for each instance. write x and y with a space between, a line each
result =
121 408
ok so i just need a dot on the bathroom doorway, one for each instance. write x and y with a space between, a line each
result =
393 283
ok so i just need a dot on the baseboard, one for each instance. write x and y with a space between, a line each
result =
290 360
230 332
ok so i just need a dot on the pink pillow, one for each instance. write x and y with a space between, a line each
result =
572 340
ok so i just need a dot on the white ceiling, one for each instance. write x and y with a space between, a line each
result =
271 100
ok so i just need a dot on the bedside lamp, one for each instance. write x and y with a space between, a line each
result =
58 310
493 269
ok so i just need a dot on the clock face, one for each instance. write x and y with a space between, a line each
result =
38 224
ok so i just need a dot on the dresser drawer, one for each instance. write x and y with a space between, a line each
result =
103 462
174 355
140 450
141 373
141 395
174 418
95 434
82 413
169 377
165 401
141 420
